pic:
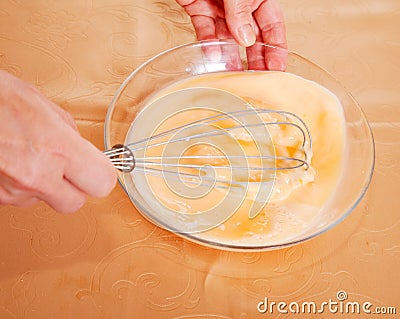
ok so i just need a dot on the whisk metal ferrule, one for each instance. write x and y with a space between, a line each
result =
121 157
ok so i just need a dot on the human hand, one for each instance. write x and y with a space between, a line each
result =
42 155
246 21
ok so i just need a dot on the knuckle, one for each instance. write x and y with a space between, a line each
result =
238 15
276 26
241 8
29 181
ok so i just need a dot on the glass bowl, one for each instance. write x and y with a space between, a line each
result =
189 60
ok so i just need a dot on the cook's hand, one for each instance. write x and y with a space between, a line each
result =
42 155
244 20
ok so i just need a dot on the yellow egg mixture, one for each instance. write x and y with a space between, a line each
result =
271 208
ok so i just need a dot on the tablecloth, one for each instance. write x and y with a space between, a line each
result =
107 261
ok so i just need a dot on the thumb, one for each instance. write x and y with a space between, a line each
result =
239 18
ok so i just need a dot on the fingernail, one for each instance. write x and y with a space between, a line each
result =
276 65
247 34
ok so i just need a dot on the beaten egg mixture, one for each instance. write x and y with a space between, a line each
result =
268 206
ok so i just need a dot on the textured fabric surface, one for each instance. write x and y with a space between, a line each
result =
107 261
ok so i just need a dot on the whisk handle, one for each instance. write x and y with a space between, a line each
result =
121 157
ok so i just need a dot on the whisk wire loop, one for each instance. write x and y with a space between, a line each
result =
123 159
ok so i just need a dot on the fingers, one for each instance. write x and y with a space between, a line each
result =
230 53
270 20
204 27
26 201
203 15
46 158
64 176
239 18
209 9
73 170
60 181
65 197
88 169
85 167
30 201
256 57
247 22
209 28
256 54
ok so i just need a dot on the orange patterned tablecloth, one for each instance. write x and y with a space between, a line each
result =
107 261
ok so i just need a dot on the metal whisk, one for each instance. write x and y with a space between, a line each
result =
124 159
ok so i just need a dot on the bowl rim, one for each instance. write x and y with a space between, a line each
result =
229 246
